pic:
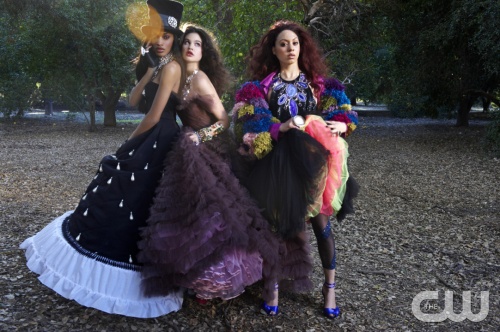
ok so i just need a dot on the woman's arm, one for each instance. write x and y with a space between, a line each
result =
253 121
204 87
169 81
136 94
336 109
201 85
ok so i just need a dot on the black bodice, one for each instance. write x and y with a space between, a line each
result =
287 95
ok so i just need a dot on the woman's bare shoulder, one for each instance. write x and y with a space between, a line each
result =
172 67
202 84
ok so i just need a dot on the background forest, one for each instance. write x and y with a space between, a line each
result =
418 57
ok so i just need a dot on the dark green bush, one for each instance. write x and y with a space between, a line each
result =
492 137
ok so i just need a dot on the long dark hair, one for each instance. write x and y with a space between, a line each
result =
211 60
262 61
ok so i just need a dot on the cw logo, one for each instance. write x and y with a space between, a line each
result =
448 307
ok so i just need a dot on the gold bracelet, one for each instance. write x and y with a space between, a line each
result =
208 133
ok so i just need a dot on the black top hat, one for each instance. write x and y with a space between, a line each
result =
164 15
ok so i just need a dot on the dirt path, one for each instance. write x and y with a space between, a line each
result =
427 220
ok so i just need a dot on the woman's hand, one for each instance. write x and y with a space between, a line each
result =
149 55
149 74
286 126
193 137
336 127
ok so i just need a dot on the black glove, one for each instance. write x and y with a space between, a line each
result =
150 56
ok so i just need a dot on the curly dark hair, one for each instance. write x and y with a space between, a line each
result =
262 61
211 60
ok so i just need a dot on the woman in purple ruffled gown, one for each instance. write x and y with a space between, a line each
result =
204 232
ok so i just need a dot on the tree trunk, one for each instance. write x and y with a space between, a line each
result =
466 102
109 107
49 110
486 104
91 99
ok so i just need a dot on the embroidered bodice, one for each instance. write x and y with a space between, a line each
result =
290 98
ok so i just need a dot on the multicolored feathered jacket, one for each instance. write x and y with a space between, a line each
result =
253 120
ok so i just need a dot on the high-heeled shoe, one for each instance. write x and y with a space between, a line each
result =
270 310
330 313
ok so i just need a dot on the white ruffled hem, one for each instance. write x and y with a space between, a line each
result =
89 282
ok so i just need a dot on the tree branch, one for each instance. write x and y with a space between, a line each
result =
480 93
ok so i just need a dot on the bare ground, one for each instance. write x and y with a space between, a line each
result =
427 220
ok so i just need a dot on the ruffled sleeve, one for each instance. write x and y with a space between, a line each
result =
252 121
336 106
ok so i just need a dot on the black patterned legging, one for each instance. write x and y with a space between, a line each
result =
325 239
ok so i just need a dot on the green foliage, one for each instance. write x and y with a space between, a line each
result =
481 19
239 24
16 85
440 51
75 49
492 137
364 59
16 93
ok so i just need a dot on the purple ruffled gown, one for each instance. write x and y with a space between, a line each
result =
204 231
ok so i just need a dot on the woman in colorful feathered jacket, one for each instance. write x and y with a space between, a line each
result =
291 122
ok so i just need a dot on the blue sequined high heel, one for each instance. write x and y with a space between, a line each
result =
268 309
330 313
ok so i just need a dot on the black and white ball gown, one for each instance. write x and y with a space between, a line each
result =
89 254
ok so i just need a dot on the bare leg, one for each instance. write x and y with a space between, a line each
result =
271 307
274 301
330 301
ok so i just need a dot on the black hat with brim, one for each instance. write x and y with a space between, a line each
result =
164 16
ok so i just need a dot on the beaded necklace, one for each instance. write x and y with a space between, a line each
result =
187 86
164 60
291 95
